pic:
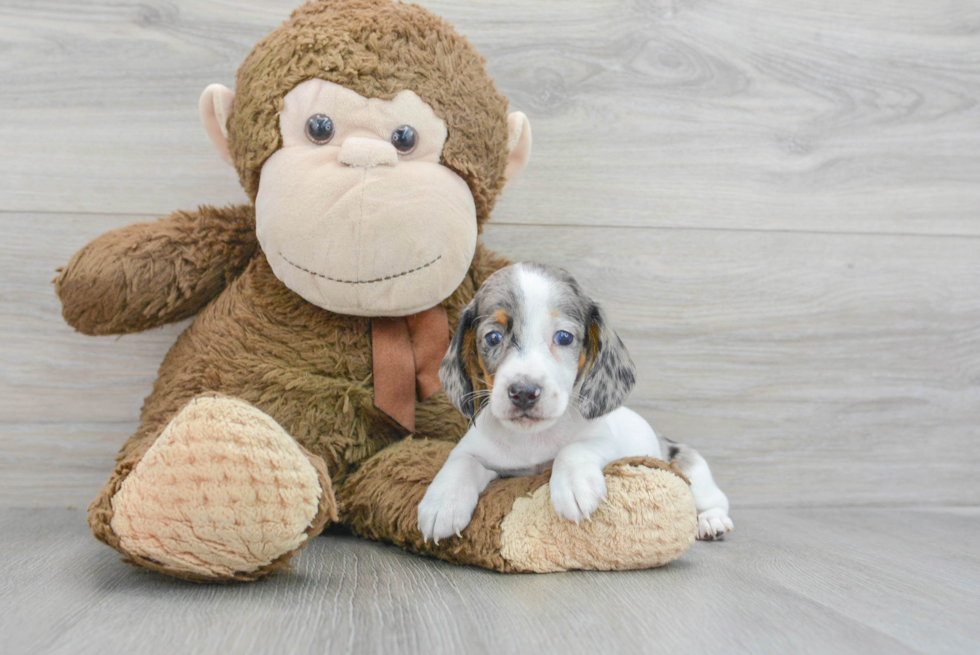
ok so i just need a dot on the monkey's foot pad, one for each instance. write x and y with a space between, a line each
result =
647 520
223 491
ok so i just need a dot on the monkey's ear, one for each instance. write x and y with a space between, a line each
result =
518 143
215 105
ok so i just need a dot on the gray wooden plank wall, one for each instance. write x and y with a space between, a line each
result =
778 202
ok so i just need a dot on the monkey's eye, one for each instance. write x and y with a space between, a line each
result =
404 139
563 338
493 339
319 129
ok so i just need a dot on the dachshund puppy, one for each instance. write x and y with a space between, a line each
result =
539 353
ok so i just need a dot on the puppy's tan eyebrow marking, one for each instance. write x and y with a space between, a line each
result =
554 313
501 317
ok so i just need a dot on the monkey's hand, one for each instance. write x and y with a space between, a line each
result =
149 274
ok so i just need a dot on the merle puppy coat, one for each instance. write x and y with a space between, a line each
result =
558 376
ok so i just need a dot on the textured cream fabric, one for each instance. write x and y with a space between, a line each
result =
647 520
224 489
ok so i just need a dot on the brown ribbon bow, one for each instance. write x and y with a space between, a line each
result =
407 352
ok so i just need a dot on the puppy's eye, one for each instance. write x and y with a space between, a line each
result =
563 338
404 139
493 339
319 129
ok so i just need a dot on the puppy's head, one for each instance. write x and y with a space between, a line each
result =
530 343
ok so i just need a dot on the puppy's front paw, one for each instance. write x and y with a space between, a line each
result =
576 491
713 524
443 514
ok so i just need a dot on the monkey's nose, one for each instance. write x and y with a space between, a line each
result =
524 395
366 153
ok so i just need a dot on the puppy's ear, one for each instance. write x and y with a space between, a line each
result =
607 372
455 372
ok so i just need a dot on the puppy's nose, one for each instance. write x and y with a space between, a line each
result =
524 395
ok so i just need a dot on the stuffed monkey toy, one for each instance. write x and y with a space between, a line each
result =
372 145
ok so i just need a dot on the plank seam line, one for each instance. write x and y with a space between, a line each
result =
678 228
681 228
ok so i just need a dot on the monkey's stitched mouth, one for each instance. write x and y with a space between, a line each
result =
374 281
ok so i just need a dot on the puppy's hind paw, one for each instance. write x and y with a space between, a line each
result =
713 524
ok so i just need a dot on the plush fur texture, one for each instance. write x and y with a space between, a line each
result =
281 362
400 47
224 490
149 274
648 520
307 368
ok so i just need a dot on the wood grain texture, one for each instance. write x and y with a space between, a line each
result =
783 324
761 193
787 581
810 369
812 115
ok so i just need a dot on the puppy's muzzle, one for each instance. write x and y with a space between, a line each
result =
524 394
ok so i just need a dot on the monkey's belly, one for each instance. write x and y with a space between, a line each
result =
307 368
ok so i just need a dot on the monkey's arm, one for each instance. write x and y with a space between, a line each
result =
149 274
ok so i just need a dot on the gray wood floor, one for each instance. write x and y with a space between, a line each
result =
789 581
778 202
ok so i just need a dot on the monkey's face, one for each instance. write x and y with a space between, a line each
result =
354 212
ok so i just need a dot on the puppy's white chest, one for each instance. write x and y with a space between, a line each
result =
524 455
512 453
532 470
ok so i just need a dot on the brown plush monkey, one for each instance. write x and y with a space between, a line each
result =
372 145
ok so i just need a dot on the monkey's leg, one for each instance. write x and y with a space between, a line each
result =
647 519
223 493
